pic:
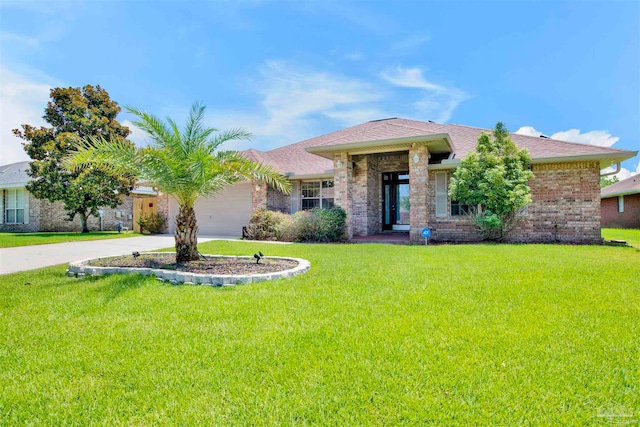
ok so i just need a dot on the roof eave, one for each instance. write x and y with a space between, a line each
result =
381 145
620 193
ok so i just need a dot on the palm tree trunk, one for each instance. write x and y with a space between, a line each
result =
186 235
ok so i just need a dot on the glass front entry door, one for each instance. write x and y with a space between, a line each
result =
395 201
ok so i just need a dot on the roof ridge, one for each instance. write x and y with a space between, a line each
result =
417 128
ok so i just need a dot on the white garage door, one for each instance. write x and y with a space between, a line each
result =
223 214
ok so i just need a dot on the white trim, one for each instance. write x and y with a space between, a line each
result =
441 206
2 206
620 204
25 204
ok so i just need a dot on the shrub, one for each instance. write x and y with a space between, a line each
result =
153 223
267 225
316 225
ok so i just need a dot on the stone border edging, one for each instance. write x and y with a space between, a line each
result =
81 269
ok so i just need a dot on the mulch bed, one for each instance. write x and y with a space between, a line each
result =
210 265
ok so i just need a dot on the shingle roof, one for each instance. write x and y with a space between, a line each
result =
630 185
14 175
293 158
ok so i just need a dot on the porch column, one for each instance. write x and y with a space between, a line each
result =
343 187
258 195
418 180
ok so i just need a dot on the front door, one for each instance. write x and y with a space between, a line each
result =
395 201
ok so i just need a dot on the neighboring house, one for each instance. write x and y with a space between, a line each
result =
22 212
393 175
620 204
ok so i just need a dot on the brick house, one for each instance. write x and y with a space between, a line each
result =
392 176
22 212
620 204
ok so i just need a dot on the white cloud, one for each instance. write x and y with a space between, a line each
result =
624 172
409 44
23 99
437 101
528 131
601 138
296 103
137 135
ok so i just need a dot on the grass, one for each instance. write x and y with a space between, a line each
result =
372 335
11 240
632 236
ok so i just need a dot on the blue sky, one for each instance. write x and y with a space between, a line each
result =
287 71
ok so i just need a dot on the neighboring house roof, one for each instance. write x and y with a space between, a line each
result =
630 185
14 175
295 158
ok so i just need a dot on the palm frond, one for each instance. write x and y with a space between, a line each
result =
117 154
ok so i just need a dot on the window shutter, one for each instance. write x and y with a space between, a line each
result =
1 206
25 198
441 194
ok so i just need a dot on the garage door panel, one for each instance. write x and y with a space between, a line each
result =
226 213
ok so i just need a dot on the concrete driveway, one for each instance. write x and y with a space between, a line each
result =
31 257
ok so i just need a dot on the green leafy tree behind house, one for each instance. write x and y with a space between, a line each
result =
184 163
74 114
606 181
494 179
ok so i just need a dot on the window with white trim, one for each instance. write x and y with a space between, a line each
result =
316 194
14 206
620 204
441 194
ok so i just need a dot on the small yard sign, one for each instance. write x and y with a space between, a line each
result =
426 232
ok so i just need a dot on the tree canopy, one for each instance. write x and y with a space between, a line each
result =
494 178
184 163
74 114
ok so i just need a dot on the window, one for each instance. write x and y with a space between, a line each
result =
14 206
441 194
620 204
458 208
316 194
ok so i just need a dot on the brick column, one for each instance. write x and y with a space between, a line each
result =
258 195
343 187
418 180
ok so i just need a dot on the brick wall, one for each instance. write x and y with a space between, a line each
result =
258 195
277 200
630 218
53 217
565 208
367 189
418 191
343 187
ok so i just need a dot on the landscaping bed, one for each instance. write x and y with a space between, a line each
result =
212 270
208 265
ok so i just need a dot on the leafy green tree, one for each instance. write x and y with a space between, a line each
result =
74 114
606 181
185 164
494 179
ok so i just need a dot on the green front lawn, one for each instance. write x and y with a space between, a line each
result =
10 240
372 335
632 236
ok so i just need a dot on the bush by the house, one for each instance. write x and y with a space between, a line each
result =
152 223
267 225
316 225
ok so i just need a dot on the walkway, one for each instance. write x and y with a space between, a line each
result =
31 257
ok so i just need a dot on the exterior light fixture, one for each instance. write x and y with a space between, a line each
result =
338 164
416 158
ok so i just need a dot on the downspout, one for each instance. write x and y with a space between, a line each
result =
614 172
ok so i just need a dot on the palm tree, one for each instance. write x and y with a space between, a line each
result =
184 164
